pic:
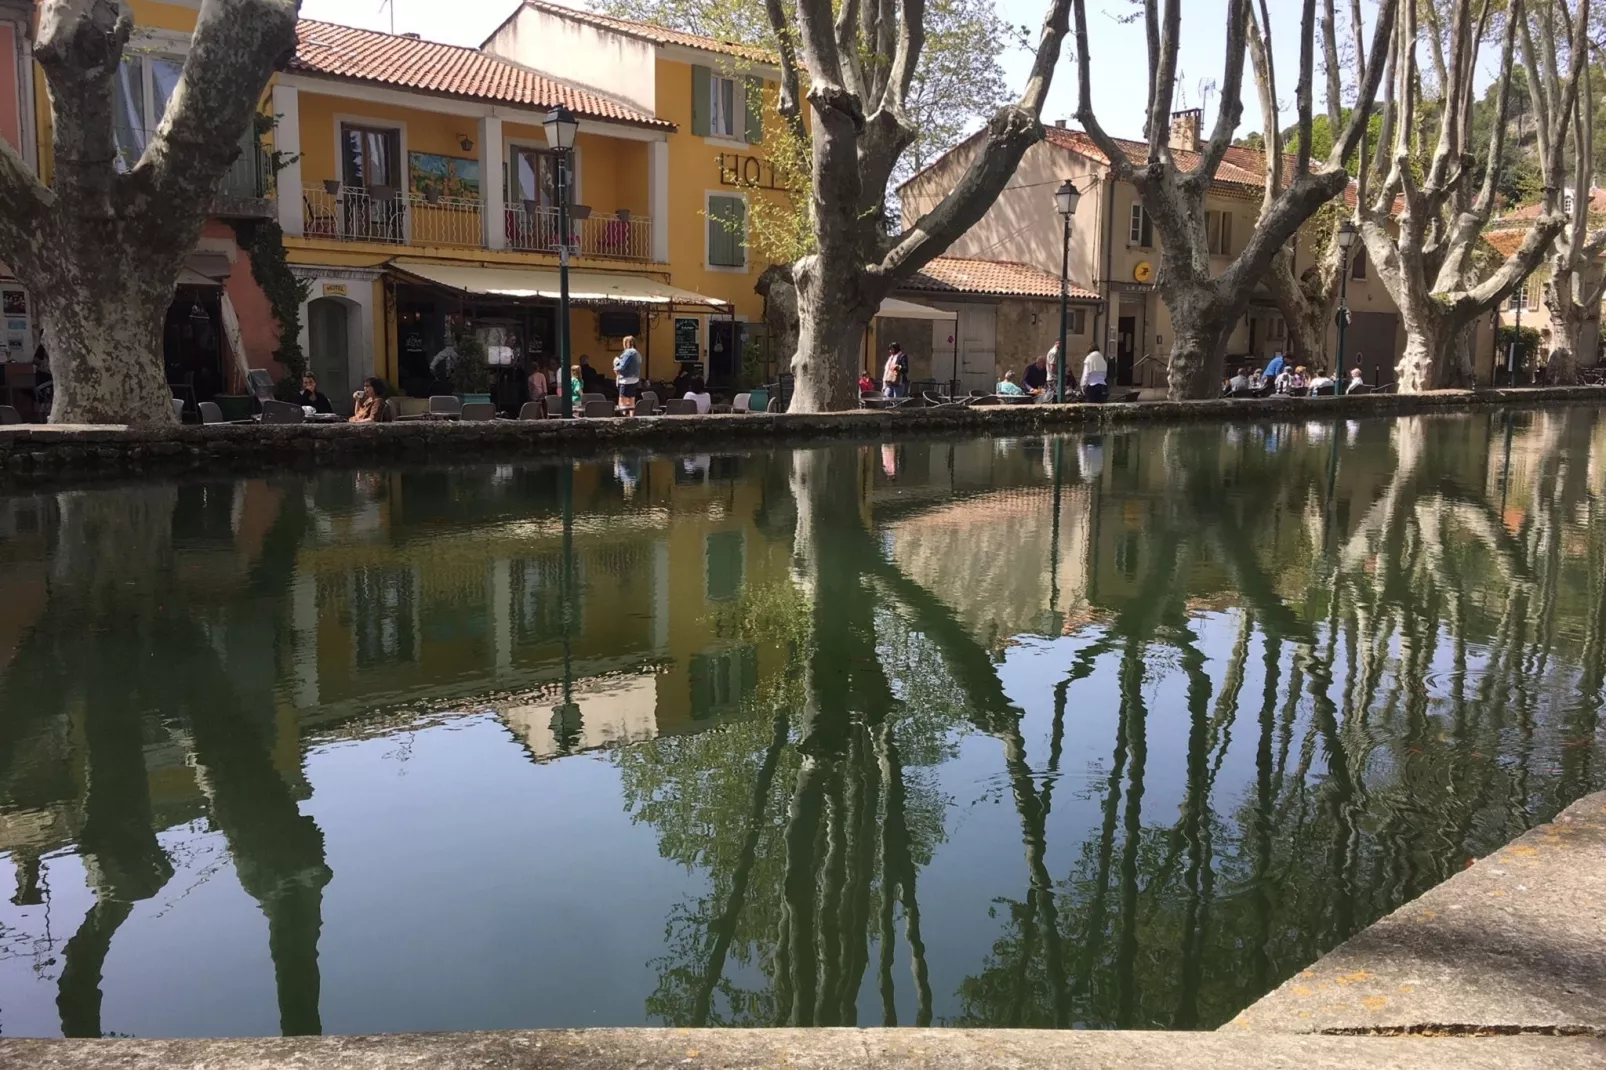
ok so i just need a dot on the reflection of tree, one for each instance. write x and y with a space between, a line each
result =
117 646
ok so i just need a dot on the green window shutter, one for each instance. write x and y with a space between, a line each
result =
727 232
755 111
699 101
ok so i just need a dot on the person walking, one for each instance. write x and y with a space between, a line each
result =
1095 376
627 370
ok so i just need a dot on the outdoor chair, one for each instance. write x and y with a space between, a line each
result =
989 399
9 415
178 409
532 410
680 407
1363 388
210 412
554 405
1128 398
647 403
595 409
588 398
279 412
479 412
742 403
445 407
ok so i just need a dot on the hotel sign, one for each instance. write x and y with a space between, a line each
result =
750 172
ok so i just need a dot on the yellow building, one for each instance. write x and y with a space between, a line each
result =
426 194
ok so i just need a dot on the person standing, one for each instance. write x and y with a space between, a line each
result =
1095 373
1274 367
627 369
540 385
895 374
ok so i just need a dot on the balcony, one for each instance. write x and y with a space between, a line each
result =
386 216
243 191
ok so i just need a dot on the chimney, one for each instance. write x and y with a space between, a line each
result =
1185 129
1060 123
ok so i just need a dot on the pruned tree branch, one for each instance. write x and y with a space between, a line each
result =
80 44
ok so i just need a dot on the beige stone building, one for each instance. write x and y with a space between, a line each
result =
1115 251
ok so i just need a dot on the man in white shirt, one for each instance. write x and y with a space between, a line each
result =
1239 383
1095 368
1322 383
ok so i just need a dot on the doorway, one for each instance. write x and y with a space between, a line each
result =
329 344
1126 345
725 339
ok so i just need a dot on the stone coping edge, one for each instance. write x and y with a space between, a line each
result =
31 453
810 1049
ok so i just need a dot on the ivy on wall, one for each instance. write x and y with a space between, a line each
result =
263 242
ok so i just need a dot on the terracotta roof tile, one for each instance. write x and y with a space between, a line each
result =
1242 169
330 49
659 35
995 278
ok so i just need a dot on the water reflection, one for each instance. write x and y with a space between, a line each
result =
1112 731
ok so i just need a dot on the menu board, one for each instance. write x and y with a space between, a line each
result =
688 342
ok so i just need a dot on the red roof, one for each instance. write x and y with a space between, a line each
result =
327 48
993 278
658 35
1243 169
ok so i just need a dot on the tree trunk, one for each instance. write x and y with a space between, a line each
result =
1198 350
104 337
833 316
1416 368
780 309
1575 327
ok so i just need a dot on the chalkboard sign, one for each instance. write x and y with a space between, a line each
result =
688 346
262 384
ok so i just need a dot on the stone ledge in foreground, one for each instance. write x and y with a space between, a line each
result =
1517 941
811 1049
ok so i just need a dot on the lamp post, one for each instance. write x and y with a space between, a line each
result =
560 129
1346 240
1065 199
1516 336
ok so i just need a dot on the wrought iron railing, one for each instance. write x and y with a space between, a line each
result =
615 236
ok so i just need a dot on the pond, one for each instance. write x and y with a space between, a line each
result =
1100 731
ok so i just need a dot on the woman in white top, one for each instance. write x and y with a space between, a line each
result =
699 396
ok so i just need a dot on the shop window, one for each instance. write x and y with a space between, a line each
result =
725 552
1140 230
727 231
721 682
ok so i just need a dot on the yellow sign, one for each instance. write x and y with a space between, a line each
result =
1144 271
334 289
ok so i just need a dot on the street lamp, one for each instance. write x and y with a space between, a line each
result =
1065 199
560 129
1346 240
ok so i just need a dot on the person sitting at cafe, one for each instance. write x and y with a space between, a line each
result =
699 396
683 380
1239 383
1322 383
866 384
1356 381
1036 376
1008 387
311 396
369 402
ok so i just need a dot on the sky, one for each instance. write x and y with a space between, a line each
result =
1118 51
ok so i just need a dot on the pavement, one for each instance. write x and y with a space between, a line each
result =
812 1049
1515 944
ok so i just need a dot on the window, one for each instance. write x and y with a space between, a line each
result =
1276 329
142 89
1076 321
382 616
1140 231
1357 266
721 106
725 553
1567 201
1218 233
727 231
1533 295
371 156
1514 300
537 597
721 682
535 177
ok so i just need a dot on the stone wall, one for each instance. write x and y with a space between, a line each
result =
31 453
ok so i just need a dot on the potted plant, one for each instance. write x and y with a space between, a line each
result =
471 374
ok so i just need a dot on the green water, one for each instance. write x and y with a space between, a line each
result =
1096 732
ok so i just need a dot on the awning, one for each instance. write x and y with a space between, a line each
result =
204 269
892 308
596 287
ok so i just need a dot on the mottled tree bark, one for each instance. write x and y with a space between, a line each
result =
1424 256
860 63
1577 280
101 250
1205 305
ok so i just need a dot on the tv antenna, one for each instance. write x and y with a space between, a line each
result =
391 4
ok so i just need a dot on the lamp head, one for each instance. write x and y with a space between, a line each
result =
1066 198
1346 235
560 128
